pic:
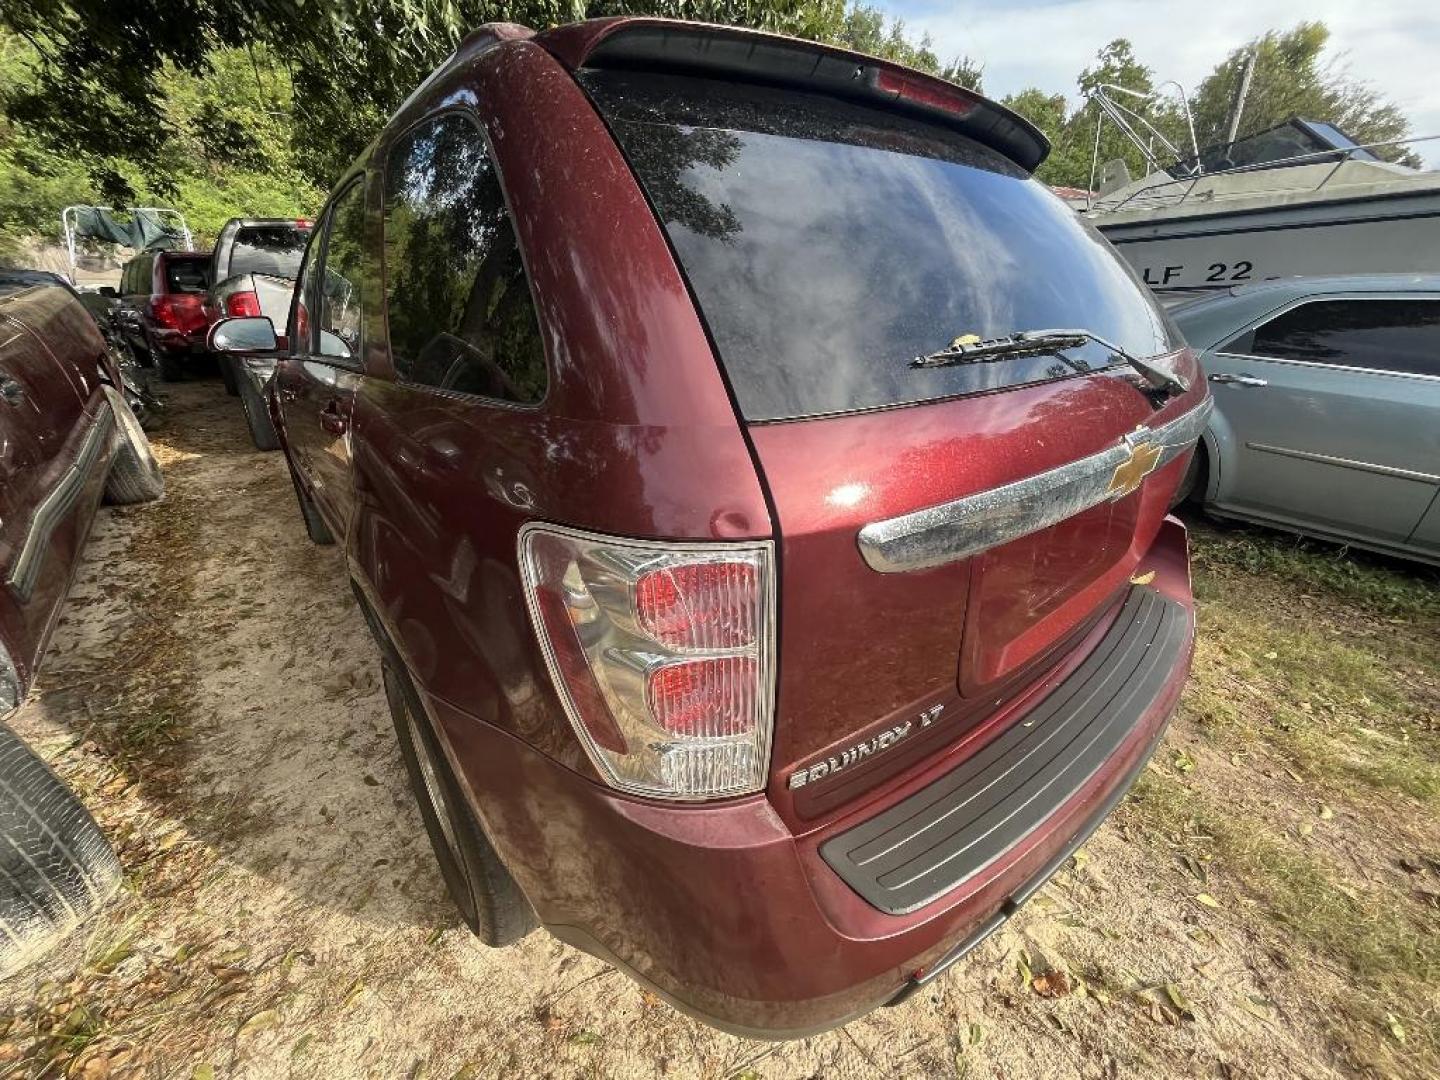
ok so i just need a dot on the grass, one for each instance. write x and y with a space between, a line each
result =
1388 946
1347 692
1328 665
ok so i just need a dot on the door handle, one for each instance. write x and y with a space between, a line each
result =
331 420
11 390
1238 380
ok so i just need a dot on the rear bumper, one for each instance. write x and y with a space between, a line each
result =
734 919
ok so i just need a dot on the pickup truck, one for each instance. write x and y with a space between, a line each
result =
67 440
252 272
756 482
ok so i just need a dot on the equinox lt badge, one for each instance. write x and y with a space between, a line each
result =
877 744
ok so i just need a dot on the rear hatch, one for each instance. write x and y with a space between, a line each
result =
828 243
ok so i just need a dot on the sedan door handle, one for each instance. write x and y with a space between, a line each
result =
331 420
1238 380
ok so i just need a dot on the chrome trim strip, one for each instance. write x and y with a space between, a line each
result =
1348 463
53 508
964 527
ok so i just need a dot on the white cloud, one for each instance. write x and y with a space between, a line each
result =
1392 44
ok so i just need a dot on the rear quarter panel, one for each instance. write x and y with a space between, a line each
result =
636 435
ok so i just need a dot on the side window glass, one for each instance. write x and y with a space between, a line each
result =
1385 335
460 312
339 287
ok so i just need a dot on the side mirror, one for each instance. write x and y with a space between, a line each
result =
253 334
109 291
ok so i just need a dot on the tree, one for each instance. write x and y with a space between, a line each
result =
1290 79
97 90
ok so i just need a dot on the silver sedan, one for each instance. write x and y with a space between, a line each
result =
1327 408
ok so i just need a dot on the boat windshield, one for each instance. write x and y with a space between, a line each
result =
1275 147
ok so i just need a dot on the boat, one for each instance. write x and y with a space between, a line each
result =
1298 199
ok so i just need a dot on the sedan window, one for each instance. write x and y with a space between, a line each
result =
1401 335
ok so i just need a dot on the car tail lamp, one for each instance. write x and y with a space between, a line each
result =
178 311
242 305
662 655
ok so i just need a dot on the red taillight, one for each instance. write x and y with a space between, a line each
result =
708 605
178 311
662 655
919 90
703 699
302 223
242 305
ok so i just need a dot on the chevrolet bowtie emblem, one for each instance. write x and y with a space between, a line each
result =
1129 473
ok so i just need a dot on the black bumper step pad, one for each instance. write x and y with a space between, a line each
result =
946 833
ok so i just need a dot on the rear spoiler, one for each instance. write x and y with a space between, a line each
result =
753 56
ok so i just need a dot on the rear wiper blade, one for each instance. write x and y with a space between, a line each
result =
1045 343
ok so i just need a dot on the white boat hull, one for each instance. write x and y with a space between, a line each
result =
1188 255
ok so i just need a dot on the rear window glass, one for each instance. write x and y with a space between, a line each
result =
269 249
830 244
185 275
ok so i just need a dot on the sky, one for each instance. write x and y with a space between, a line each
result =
1392 44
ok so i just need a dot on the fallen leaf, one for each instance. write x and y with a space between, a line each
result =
1208 900
1305 828
584 1038
1052 984
204 1071
1184 763
1272 655
1143 579
1022 963
1183 1005
1326 813
650 999
975 1034
1257 1006
1397 1029
353 993
263 1020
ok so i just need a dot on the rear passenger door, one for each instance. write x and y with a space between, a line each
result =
1333 404
316 385
450 451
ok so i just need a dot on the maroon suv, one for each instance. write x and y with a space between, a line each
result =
757 484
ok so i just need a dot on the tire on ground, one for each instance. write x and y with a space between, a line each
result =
56 867
134 472
257 417
489 900
228 375
171 367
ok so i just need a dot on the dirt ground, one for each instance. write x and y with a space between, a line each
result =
1266 905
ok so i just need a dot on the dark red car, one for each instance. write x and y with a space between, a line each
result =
756 482
162 308
67 440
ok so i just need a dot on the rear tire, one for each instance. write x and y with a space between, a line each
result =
171 369
489 900
257 417
228 375
134 473
56 867
1196 478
